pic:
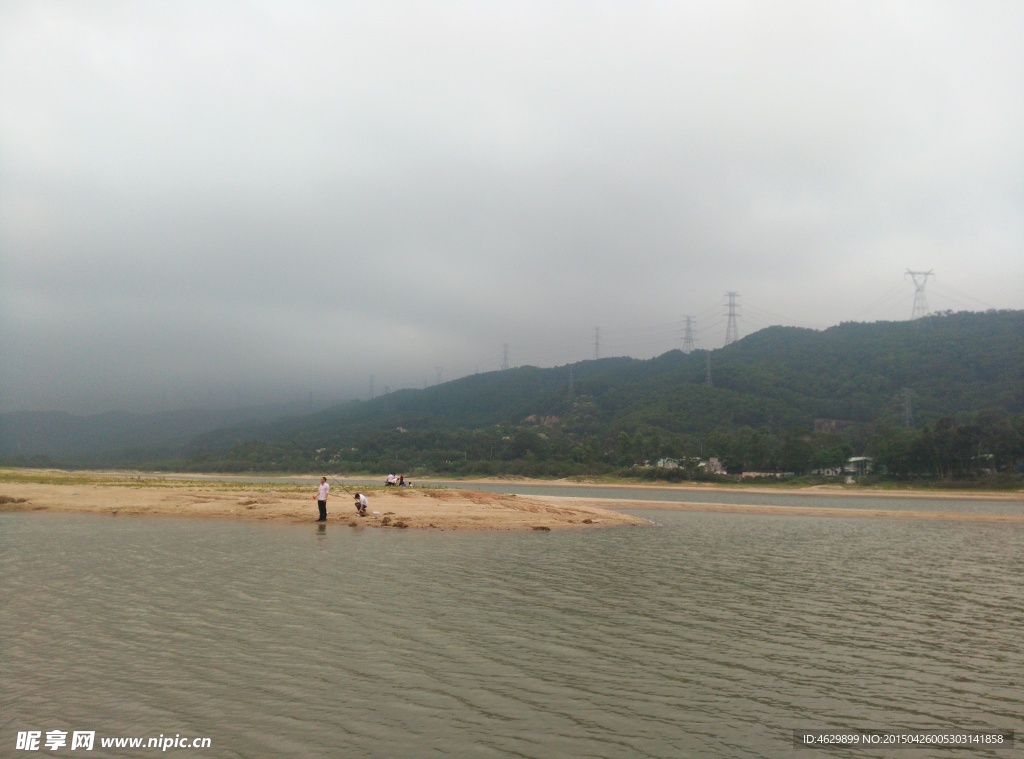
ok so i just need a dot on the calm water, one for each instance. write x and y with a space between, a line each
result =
715 635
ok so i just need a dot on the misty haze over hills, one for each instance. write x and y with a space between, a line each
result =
88 439
780 378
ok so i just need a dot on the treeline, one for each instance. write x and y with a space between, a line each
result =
988 443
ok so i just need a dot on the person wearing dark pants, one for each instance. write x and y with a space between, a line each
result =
321 498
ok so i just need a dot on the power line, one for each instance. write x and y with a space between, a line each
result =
951 293
771 319
635 339
889 297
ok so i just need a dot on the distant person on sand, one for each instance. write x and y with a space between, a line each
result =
391 480
361 504
321 498
401 480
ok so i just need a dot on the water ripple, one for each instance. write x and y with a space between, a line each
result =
715 635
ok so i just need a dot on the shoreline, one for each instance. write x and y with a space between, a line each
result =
812 511
837 490
830 490
282 499
422 508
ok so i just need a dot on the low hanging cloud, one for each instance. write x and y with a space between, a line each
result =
221 202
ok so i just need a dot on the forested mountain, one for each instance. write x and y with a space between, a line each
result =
782 398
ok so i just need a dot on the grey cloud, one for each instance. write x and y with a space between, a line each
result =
199 197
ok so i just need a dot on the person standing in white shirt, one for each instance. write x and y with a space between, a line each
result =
321 498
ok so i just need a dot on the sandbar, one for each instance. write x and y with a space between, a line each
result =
831 490
394 508
424 507
808 511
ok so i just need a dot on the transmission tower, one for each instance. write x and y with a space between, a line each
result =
688 335
920 303
440 370
504 357
597 343
732 333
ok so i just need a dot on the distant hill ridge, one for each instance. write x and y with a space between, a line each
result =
780 378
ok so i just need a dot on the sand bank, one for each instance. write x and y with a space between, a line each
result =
132 494
830 490
814 511
852 491
428 508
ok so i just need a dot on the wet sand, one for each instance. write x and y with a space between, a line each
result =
135 494
814 511
837 490
418 507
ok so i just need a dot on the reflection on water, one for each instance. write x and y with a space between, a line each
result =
716 635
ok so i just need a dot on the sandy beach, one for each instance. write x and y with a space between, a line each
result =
425 507
419 507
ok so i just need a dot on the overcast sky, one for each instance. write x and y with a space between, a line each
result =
218 202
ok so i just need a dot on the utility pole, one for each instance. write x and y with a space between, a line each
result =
504 360
920 304
688 335
732 333
597 343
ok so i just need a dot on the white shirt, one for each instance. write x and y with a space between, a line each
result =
321 493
